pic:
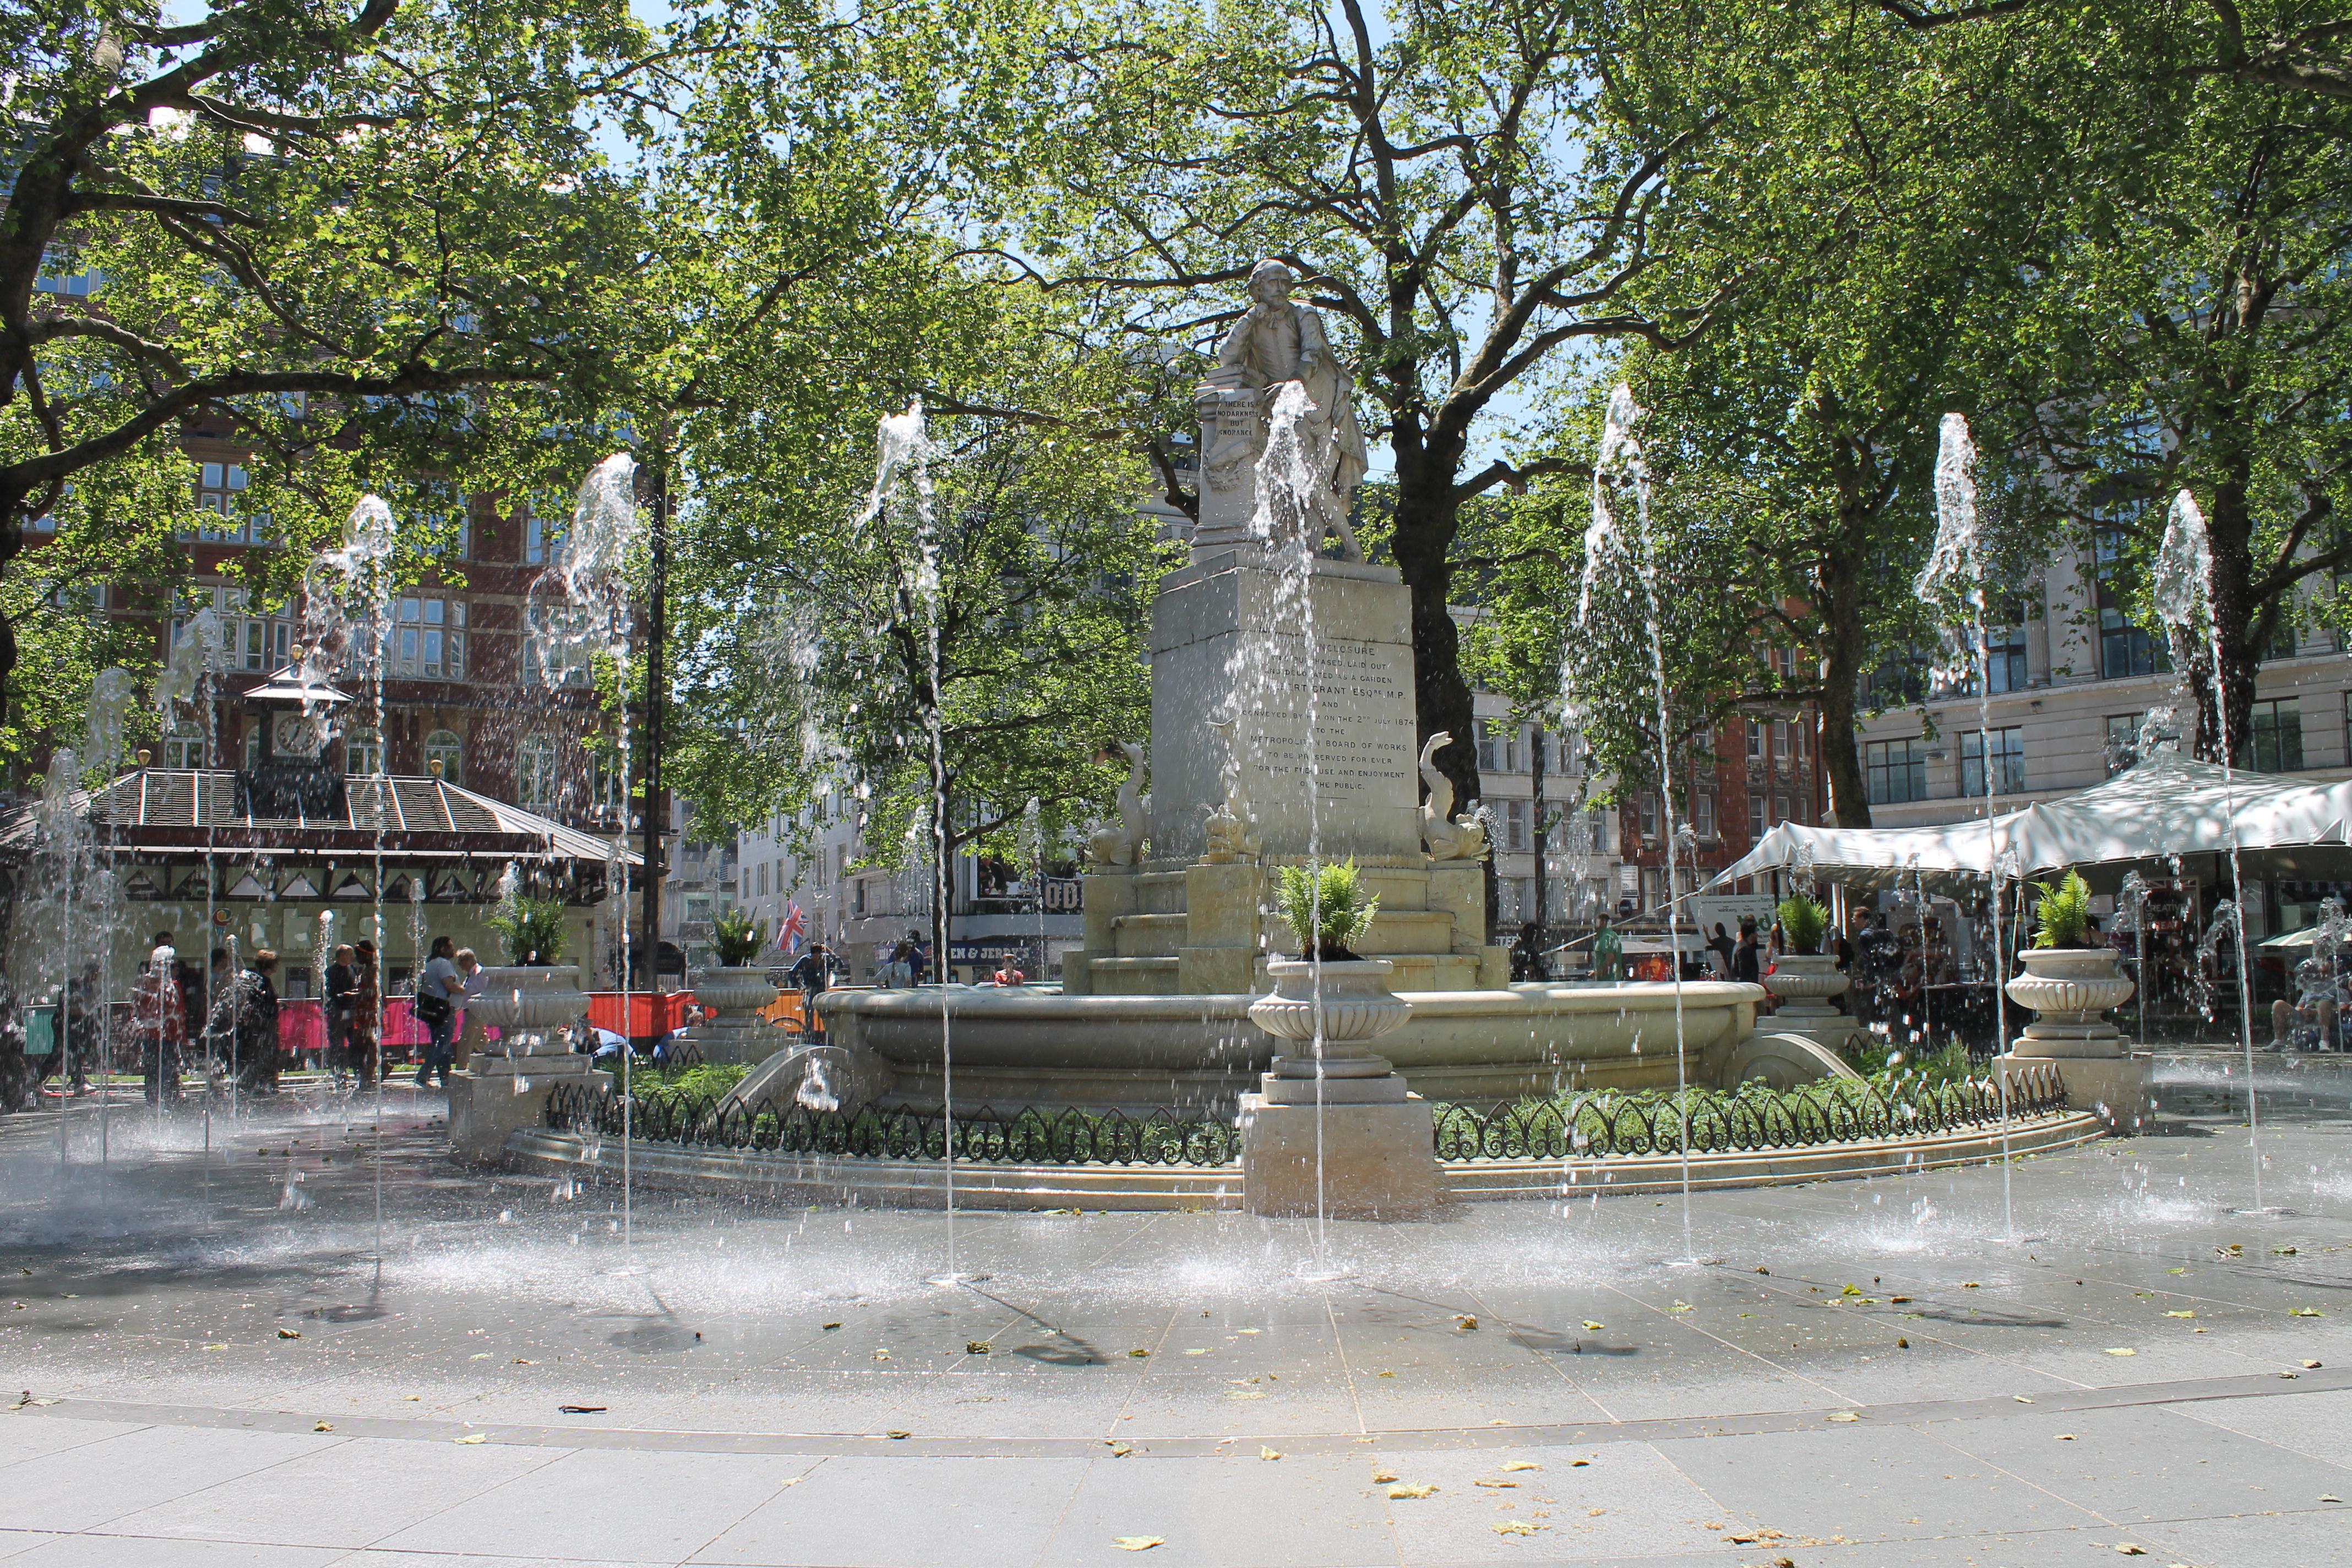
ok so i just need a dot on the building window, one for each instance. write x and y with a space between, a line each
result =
2009 762
1759 821
542 542
1896 771
443 746
1896 683
1755 728
1649 817
428 640
2285 638
1515 825
248 641
2123 741
1500 748
2125 650
1703 815
2275 742
363 753
183 750
535 778
220 490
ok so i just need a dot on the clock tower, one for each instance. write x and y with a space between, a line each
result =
296 770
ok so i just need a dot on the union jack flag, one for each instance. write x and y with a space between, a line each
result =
789 933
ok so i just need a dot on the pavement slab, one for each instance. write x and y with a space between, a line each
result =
1905 1371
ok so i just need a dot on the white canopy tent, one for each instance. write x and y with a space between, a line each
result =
2166 805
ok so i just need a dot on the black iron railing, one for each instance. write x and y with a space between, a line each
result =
1593 1126
1025 1137
1585 1126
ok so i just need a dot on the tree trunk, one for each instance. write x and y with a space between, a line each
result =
1427 516
2230 530
1838 582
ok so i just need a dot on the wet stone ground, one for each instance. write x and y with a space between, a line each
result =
225 1361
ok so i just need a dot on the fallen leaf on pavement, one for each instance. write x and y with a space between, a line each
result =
323 1425
897 1436
2121 1350
2065 1436
472 1437
2128 1550
2179 1314
1382 1478
1137 1542
1522 1464
1244 1394
1514 1527
2304 1312
1266 1453
289 1333
1511 1485
1844 1415
1121 1450
1415 1490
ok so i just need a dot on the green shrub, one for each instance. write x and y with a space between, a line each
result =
738 938
530 930
2065 912
1803 921
1326 907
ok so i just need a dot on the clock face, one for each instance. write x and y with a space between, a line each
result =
297 735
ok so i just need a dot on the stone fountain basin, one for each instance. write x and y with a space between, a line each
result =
1022 1046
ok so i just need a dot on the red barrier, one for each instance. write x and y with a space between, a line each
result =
646 1021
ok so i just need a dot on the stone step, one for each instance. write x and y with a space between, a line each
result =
1160 892
1148 936
1133 976
1407 932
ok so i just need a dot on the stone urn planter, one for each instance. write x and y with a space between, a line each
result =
2070 990
733 993
734 1033
1805 983
1355 1005
527 1003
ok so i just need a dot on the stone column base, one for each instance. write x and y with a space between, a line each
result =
503 1094
1380 1162
2114 1088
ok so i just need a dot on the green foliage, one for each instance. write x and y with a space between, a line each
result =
1803 921
1326 907
380 247
530 930
2065 912
738 938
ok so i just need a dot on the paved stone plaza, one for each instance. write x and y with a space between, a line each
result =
1862 1373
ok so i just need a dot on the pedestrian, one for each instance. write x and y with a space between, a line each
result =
159 1015
1721 945
342 987
244 1025
363 1028
919 960
812 973
85 1035
437 1008
1746 964
900 968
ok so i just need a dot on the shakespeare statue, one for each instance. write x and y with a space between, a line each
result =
1281 452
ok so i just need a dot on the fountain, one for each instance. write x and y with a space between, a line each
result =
1282 733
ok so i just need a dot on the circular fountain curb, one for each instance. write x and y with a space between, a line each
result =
917 1184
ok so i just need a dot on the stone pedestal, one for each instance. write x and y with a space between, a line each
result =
1805 983
499 1094
2113 1087
2070 990
1340 1103
1230 638
1378 1161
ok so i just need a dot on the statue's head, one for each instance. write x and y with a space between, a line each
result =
1270 282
